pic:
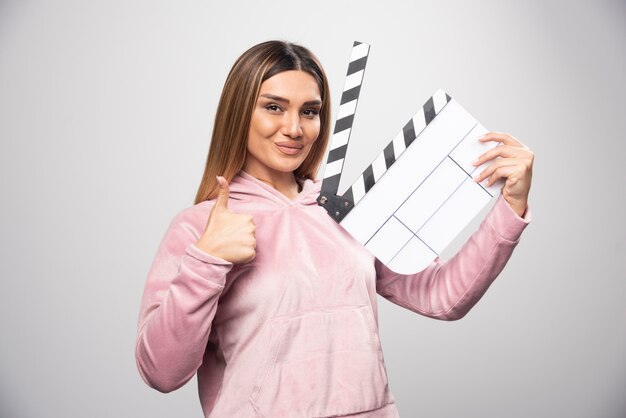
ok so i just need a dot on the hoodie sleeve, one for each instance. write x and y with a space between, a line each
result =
178 306
447 290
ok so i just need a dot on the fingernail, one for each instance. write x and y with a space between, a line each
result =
474 162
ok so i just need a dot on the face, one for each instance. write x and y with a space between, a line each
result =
285 124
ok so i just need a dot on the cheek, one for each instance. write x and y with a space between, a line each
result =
262 126
313 130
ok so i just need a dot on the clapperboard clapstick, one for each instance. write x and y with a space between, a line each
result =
418 194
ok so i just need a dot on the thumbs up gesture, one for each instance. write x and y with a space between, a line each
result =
228 235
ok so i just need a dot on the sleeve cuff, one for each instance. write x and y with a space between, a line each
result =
198 254
508 224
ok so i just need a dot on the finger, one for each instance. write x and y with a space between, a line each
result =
253 226
221 201
504 162
501 162
507 173
503 137
505 151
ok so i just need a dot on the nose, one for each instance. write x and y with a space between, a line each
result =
292 127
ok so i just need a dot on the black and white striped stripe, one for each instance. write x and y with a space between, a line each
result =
396 147
345 118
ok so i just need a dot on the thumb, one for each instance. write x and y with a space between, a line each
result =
221 201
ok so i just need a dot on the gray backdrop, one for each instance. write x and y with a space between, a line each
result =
106 110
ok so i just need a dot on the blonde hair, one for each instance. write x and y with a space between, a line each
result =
227 151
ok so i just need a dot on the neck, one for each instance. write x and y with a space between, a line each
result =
285 183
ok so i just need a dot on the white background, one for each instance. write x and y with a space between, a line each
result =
106 110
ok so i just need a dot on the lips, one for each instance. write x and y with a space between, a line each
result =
289 148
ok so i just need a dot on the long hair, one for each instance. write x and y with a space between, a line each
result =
227 151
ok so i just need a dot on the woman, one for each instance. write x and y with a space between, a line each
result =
258 291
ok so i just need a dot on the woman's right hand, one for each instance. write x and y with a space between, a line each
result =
228 235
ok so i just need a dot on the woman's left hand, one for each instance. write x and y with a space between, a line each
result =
515 165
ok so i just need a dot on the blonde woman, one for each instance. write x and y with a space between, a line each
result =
258 292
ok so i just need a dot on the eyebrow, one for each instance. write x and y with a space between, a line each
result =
282 99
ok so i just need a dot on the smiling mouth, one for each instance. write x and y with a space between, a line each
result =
289 148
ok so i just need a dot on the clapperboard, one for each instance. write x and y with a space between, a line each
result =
418 194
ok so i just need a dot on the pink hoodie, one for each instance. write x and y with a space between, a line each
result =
294 333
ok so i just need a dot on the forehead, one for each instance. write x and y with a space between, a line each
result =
293 85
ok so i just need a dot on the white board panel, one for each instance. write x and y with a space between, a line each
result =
454 215
434 143
389 239
414 256
431 194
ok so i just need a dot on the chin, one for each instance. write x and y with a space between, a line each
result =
287 166
288 169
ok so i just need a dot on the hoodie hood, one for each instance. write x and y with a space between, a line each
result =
251 193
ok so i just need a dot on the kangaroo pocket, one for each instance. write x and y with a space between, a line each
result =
321 364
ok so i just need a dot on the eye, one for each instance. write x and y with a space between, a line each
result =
311 113
273 108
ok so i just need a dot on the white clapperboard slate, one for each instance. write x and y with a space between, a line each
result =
418 194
